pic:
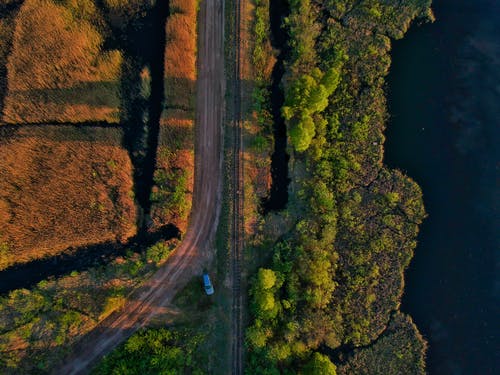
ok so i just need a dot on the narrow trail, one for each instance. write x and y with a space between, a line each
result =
196 249
237 209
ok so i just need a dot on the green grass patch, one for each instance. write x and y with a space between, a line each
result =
38 326
157 351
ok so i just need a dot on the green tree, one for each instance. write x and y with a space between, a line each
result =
266 278
302 132
305 98
319 365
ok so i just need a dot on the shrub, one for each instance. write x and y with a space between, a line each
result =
158 252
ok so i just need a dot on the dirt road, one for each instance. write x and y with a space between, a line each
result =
196 248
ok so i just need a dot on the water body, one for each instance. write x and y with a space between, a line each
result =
444 96
278 197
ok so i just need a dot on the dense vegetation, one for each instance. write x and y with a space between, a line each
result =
62 187
38 326
257 59
174 175
156 351
397 351
334 280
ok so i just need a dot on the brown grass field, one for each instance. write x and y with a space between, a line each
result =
6 35
57 69
174 175
62 187
180 55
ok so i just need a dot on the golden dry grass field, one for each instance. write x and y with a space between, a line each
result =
180 55
7 17
62 187
174 175
57 69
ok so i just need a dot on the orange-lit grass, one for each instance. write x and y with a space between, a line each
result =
180 54
174 175
6 33
63 187
57 70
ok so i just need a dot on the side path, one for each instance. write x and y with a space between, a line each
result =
196 248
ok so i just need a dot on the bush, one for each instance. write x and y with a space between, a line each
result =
156 351
158 253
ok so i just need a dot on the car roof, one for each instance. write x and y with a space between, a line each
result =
206 278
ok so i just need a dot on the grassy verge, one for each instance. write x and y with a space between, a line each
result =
174 175
63 187
257 59
38 326
258 62
157 351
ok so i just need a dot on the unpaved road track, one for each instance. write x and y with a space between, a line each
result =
195 250
237 209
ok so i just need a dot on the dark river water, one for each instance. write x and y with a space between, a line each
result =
444 102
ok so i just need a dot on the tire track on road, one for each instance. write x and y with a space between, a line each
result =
196 249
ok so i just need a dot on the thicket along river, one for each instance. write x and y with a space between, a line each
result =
444 102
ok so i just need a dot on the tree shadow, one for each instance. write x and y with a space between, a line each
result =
92 94
278 197
7 15
95 133
79 259
59 317
144 47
